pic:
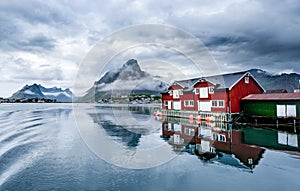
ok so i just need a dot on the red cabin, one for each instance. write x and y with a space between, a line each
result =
221 93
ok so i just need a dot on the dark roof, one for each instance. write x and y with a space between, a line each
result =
222 81
273 96
226 80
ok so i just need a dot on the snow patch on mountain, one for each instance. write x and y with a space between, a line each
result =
129 79
38 91
29 92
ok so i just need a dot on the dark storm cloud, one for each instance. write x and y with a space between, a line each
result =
241 34
36 43
33 25
260 34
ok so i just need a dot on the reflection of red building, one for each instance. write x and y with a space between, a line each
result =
209 141
220 93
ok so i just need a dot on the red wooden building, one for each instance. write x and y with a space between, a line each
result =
220 93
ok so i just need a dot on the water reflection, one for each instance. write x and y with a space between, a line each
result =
273 139
241 147
142 139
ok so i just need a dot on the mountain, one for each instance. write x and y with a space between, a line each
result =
269 81
38 91
127 80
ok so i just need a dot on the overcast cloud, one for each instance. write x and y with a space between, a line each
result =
45 42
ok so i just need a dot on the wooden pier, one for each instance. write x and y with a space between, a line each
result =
198 115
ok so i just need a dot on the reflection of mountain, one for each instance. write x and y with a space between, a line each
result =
117 132
113 119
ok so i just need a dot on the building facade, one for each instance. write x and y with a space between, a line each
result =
275 105
220 93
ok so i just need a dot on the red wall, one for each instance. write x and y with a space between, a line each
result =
202 85
220 95
175 87
165 97
240 90
188 96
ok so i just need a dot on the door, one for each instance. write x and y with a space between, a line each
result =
169 104
280 110
291 110
177 105
204 105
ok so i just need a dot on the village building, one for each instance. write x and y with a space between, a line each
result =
278 109
213 94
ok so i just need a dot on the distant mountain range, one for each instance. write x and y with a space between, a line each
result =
269 81
38 91
127 80
130 79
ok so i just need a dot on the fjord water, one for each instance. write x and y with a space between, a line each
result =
41 148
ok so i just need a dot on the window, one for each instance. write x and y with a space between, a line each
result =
217 103
186 103
166 102
247 79
211 90
219 137
197 90
189 103
221 103
175 93
286 110
214 103
189 131
222 138
171 92
186 131
204 92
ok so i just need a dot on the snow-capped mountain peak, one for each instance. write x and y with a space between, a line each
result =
38 91
128 79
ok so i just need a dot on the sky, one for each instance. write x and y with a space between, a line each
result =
46 42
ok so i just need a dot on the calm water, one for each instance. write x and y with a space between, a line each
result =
87 147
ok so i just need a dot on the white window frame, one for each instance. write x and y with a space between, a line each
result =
203 92
291 110
176 94
189 131
221 105
247 79
219 137
216 103
188 103
211 90
197 90
166 102
280 110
